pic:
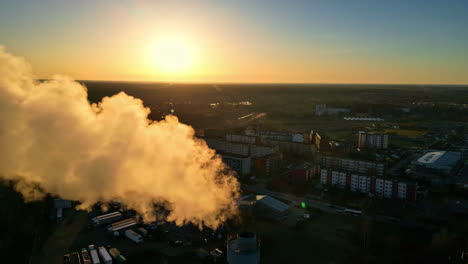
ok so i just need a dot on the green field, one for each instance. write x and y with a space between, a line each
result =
318 242
410 133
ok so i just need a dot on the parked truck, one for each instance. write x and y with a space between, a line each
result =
117 256
142 231
132 235
107 218
94 254
66 259
105 255
75 258
85 256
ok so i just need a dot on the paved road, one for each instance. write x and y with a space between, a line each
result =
312 201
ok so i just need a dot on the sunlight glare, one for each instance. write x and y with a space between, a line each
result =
173 55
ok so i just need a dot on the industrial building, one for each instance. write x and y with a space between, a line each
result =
439 162
381 187
264 206
269 207
372 140
244 249
361 167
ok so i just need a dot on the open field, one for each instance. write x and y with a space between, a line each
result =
410 133
320 240
60 241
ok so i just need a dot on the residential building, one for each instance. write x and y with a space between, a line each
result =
380 187
372 140
361 167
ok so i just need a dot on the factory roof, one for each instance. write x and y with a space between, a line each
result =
438 159
272 202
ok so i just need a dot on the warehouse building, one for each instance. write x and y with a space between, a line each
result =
438 162
265 206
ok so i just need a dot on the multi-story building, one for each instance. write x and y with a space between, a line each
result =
238 163
361 167
372 140
290 146
252 150
304 173
245 158
380 187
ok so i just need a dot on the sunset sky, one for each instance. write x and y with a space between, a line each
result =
329 41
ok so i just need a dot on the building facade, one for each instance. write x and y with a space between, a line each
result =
372 140
380 187
361 167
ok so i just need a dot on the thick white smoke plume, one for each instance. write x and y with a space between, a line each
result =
52 140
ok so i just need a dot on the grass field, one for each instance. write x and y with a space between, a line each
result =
60 241
406 132
318 242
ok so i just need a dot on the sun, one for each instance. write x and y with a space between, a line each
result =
173 55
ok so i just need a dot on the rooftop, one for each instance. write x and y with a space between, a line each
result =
438 159
272 202
431 157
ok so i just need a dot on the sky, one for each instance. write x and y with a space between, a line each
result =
329 41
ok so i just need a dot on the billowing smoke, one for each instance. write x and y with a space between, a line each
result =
52 140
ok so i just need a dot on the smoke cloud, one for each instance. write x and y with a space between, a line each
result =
52 140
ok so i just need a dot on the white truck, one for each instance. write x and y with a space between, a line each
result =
132 235
105 255
94 254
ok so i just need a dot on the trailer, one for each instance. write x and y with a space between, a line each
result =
121 259
142 231
59 214
75 258
94 254
117 256
66 259
121 225
85 256
107 218
114 252
132 235
105 256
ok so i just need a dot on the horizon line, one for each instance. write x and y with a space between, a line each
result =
266 83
